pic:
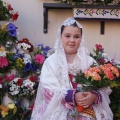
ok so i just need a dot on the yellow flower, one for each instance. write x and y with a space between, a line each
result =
15 110
4 3
11 105
4 113
4 110
4 27
20 62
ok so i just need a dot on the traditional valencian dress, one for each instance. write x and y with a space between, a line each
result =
55 95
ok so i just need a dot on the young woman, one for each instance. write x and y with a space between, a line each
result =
57 96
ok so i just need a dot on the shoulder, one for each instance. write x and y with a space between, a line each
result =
51 58
50 61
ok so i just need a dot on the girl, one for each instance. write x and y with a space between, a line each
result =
57 96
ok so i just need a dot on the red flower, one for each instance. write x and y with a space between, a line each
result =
19 82
10 7
102 60
1 80
31 108
99 47
9 78
33 78
15 16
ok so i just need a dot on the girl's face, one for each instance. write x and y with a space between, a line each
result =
71 38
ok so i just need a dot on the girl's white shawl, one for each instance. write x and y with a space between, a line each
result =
54 77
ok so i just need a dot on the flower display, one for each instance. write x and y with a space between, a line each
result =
7 12
19 75
20 66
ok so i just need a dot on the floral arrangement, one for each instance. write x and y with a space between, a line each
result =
6 12
19 72
99 76
26 65
20 68
106 72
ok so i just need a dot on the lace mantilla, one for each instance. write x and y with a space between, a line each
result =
82 55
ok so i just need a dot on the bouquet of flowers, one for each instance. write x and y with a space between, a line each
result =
98 76
104 73
101 57
20 68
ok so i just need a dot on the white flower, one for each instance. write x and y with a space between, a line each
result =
11 88
28 46
24 45
19 45
2 52
14 92
0 85
29 84
106 60
26 60
104 54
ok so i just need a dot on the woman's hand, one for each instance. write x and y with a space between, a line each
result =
85 99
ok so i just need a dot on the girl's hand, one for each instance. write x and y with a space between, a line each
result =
86 100
78 97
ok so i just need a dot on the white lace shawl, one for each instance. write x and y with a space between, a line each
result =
54 77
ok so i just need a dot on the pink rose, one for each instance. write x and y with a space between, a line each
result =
99 47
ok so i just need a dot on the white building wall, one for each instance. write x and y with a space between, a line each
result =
30 25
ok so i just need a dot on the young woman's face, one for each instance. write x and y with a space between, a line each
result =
71 38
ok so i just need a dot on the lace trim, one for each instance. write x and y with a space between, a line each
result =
73 69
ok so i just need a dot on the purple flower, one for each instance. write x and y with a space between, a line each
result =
34 68
11 26
27 67
40 45
11 29
17 56
45 50
12 33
